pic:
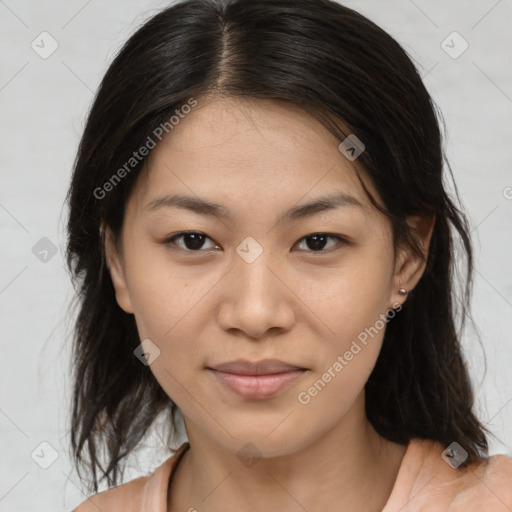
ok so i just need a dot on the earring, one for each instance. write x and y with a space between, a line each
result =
403 291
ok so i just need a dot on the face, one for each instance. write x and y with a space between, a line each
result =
259 276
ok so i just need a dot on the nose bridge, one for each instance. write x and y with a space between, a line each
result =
252 274
257 300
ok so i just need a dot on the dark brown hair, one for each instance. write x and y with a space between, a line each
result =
344 70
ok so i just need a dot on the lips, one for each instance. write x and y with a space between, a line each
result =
263 367
258 380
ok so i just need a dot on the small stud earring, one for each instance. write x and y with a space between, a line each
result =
403 291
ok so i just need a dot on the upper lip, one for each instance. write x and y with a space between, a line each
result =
263 367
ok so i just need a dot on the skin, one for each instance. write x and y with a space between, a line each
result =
202 307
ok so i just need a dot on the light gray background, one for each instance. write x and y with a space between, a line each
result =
43 104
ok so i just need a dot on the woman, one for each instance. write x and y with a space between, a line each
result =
262 242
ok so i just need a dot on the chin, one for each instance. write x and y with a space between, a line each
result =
258 443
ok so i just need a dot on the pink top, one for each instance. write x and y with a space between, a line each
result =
425 483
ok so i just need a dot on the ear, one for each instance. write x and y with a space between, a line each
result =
409 267
115 265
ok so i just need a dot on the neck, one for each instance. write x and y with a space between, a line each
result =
350 465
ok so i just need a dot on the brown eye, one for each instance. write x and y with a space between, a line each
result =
191 241
194 241
317 242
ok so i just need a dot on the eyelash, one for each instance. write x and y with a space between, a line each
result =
171 240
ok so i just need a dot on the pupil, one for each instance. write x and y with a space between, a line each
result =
196 239
318 241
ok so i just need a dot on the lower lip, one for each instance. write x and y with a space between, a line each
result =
257 386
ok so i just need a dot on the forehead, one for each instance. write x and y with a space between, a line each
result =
248 151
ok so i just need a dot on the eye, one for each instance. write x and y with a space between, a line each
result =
193 241
318 241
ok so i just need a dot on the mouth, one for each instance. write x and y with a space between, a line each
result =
258 380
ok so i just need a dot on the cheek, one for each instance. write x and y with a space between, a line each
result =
352 304
164 296
351 297
169 311
354 310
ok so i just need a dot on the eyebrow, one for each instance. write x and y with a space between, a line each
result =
203 207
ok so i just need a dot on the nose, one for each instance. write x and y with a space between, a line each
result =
257 301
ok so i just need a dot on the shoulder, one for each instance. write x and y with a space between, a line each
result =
492 478
146 493
427 483
126 497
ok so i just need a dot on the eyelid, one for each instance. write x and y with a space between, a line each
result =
170 240
341 240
